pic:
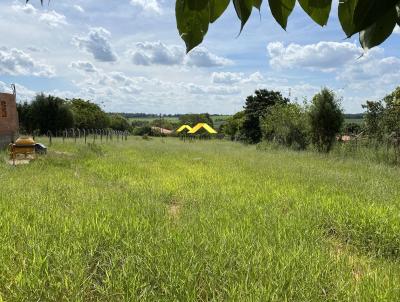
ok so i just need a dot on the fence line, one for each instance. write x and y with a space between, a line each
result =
78 134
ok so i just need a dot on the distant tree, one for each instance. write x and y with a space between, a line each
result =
118 122
326 119
256 108
391 118
164 123
374 119
287 125
25 117
143 130
50 113
88 115
233 125
352 128
193 119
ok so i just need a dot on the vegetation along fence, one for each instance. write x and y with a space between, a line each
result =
88 135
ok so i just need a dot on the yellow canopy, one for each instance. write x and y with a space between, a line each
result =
202 126
183 127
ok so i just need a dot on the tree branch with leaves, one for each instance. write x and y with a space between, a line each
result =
373 20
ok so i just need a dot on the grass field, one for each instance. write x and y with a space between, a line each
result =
171 221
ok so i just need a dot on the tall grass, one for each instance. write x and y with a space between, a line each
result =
163 220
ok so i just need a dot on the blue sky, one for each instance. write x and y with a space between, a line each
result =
127 56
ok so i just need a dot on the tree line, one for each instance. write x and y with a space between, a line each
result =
47 113
270 117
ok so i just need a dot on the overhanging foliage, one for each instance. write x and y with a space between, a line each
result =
373 20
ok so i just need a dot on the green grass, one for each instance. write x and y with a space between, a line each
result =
358 121
163 220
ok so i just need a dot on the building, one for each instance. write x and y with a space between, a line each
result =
8 119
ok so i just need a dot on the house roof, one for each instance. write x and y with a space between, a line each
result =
202 126
184 127
161 130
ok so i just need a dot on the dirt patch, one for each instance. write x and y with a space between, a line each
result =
174 210
20 160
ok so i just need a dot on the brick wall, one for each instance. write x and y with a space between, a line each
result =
8 119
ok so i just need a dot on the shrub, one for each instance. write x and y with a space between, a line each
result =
287 125
326 119
256 108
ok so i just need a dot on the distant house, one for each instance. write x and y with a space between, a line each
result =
161 130
184 129
203 126
8 119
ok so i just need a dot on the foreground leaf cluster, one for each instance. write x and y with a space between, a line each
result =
373 20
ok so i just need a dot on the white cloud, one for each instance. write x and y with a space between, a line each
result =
371 70
17 62
147 5
78 8
228 78
27 9
97 43
202 57
158 53
51 18
84 66
149 53
397 29
215 90
323 56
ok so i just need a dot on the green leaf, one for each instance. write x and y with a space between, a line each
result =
346 12
367 12
378 32
318 10
197 5
192 23
257 4
243 10
217 8
281 10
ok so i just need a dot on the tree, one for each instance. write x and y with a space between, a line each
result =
392 113
88 115
326 119
50 113
352 128
233 125
287 125
25 117
374 20
256 108
118 122
374 119
194 119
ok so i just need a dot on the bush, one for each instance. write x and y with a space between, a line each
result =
50 113
287 125
326 119
88 115
256 108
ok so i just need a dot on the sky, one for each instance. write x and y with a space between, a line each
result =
127 56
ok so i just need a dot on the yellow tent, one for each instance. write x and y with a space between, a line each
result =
202 126
184 127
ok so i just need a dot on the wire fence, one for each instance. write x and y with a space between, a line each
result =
88 135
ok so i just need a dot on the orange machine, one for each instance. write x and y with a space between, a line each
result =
23 145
